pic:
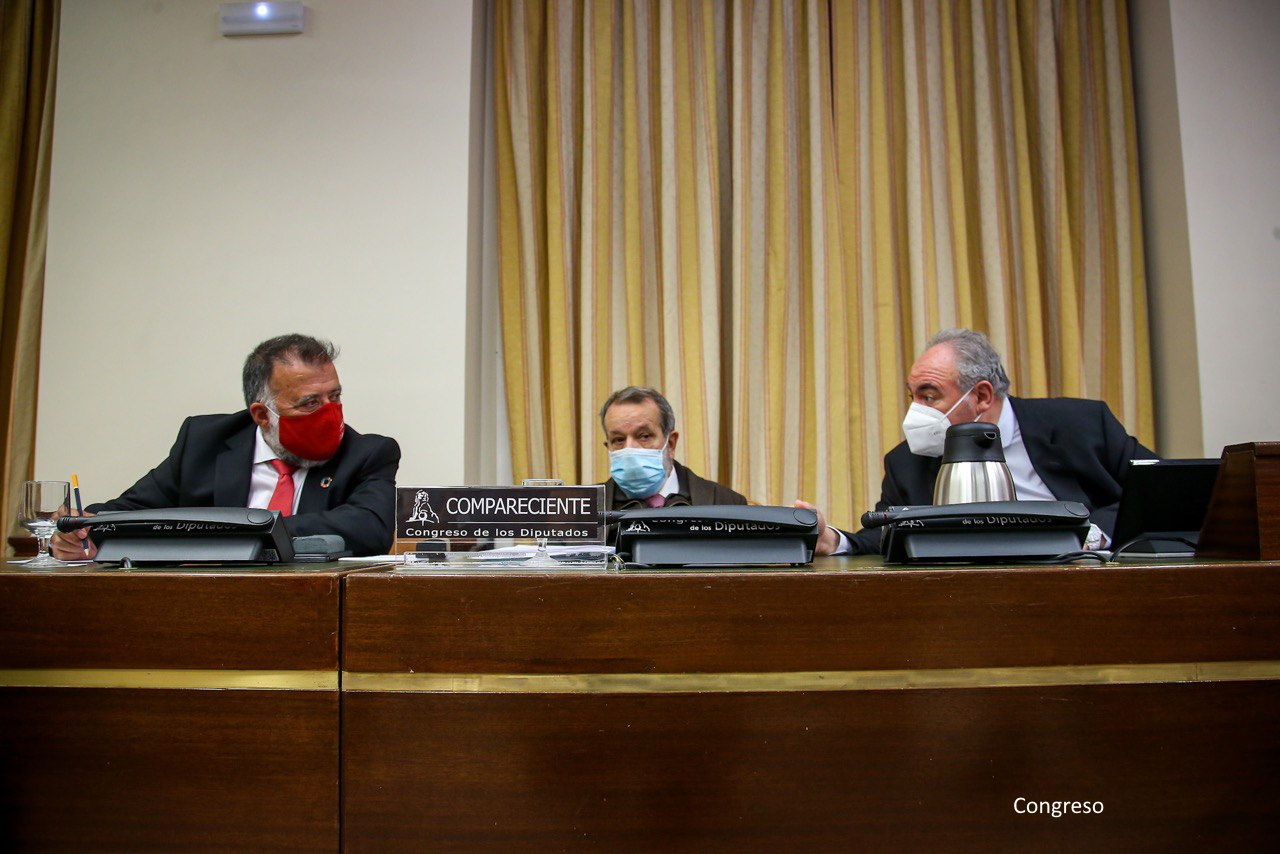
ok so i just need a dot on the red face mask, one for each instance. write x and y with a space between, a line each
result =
314 436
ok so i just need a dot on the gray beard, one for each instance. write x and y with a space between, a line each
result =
271 435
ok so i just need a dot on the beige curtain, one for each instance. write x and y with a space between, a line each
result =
766 208
28 52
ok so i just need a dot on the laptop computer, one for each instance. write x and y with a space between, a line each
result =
1163 507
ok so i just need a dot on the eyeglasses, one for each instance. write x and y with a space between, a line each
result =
311 403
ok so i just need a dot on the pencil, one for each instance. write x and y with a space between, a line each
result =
75 488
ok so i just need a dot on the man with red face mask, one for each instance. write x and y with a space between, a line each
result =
290 450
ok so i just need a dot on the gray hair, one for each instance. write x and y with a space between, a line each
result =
639 394
976 359
262 362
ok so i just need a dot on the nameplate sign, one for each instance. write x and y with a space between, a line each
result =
569 513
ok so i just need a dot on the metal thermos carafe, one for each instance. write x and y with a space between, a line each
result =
973 467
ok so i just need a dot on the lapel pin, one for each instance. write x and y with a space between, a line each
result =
326 483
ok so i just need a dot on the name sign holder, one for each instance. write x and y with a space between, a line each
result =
544 527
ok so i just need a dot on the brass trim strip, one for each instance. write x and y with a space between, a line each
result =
235 680
842 680
643 683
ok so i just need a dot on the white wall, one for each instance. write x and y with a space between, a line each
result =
1209 120
1175 361
210 192
1227 71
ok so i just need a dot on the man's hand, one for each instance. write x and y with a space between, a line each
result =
828 539
73 546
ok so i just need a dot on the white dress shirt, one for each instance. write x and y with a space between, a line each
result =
1027 485
263 478
671 485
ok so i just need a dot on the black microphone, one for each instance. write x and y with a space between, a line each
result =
878 518
67 524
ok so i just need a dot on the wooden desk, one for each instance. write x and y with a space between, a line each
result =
175 709
814 710
849 706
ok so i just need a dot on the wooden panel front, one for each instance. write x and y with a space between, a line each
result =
805 621
1176 767
130 770
169 619
144 764
462 765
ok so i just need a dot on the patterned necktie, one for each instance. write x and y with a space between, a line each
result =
282 498
656 500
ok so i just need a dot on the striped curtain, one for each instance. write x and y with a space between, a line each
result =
28 62
766 208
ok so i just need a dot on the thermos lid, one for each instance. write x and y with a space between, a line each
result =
973 442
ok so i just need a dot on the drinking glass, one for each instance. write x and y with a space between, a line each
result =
43 501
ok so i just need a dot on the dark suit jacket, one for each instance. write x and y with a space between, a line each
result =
352 495
1077 447
694 490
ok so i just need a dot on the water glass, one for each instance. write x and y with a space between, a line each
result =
43 501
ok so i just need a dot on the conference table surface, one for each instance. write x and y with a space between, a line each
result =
376 707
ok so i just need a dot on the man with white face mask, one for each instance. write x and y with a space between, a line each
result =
1063 449
640 435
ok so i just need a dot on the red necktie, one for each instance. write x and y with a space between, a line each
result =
656 500
282 498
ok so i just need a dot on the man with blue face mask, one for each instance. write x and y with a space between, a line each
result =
1063 449
640 435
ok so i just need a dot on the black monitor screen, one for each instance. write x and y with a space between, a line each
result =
1164 500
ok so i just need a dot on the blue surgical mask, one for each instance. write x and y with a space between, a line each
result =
639 472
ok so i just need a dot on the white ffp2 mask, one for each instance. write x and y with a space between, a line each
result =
926 427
